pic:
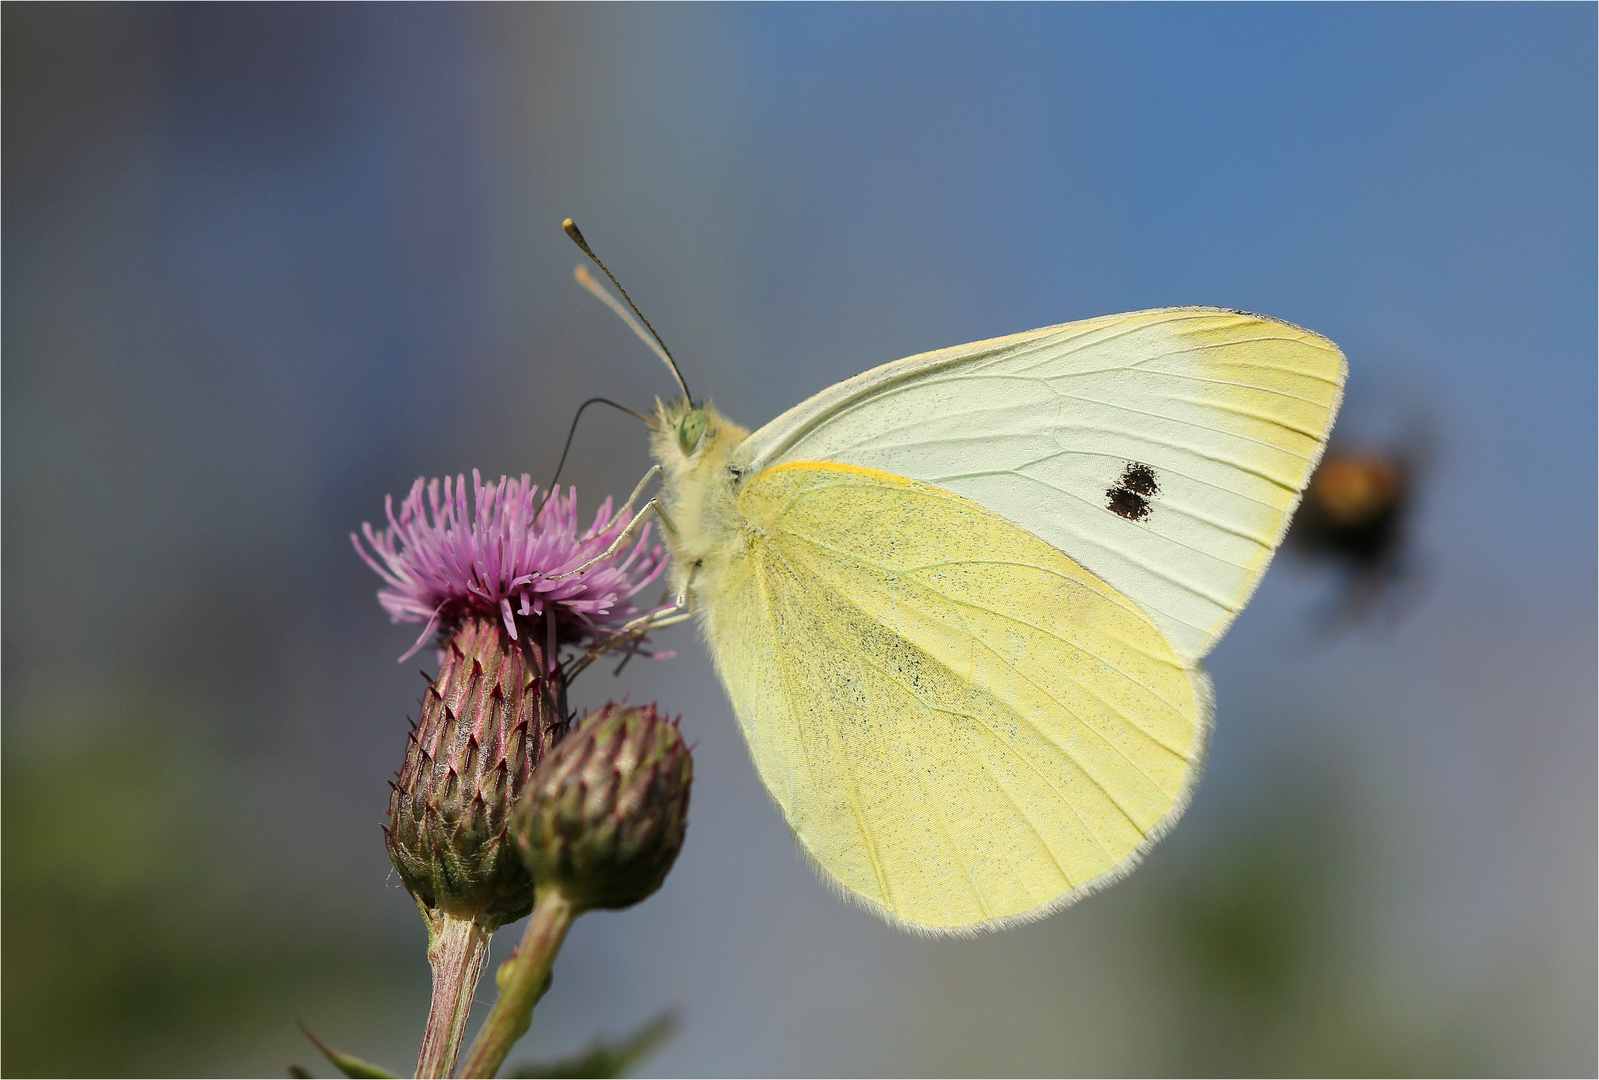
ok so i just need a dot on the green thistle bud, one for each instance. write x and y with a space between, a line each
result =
603 818
486 720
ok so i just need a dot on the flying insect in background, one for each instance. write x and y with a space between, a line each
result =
1357 520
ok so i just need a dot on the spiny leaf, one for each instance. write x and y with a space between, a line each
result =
345 1063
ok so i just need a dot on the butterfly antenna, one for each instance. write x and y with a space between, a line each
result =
572 431
585 279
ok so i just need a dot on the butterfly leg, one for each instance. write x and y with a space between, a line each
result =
653 506
680 610
627 507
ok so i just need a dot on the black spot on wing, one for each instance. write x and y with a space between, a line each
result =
1131 495
1128 504
1140 479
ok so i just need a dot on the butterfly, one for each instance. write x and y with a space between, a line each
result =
959 601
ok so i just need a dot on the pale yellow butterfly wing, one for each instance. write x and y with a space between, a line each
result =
963 726
1228 411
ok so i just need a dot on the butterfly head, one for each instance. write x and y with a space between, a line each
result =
692 440
695 446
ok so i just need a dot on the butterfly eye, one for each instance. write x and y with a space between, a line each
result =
689 431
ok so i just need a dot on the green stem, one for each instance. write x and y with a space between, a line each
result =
523 979
458 952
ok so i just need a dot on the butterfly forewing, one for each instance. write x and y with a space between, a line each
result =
1162 450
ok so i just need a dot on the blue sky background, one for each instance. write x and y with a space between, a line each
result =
266 264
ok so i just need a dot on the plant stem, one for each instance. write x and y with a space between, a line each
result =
523 979
458 952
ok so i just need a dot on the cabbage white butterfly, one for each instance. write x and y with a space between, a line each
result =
959 601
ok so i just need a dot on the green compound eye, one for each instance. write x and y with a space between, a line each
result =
689 431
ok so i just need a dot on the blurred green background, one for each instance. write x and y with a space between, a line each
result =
266 264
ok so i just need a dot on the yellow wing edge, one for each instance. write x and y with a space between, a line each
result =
1311 463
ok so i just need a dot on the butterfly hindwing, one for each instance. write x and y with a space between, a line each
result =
962 725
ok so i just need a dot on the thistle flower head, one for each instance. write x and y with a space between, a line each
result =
603 816
442 562
500 582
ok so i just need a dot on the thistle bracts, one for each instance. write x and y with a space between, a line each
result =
486 721
603 818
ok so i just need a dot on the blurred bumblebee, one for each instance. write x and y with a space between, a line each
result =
1355 517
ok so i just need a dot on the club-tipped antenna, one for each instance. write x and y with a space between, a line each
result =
572 431
585 279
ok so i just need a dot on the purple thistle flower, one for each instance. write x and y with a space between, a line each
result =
442 563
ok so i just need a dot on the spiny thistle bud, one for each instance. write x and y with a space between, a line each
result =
494 584
486 720
603 818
